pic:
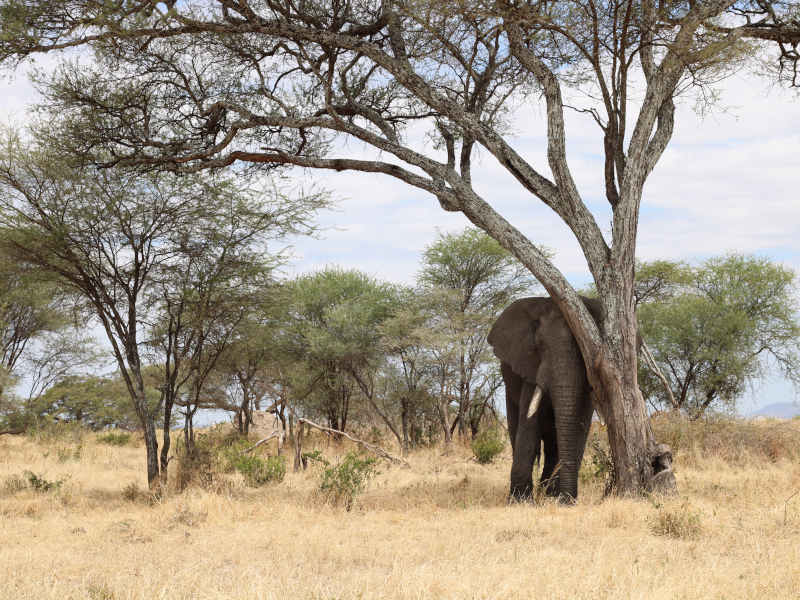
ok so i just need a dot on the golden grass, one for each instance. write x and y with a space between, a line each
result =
440 529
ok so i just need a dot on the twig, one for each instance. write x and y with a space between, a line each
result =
374 449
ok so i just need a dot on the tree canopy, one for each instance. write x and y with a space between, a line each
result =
717 327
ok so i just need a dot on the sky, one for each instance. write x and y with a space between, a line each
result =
728 181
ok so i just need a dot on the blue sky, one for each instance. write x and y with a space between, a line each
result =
729 181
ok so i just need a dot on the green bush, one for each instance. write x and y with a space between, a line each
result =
341 483
40 484
487 445
113 438
258 471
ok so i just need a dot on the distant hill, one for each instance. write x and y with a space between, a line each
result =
780 410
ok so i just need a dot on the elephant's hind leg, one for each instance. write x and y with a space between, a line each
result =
526 446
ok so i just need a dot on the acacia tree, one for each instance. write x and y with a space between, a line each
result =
481 278
716 327
109 236
206 84
335 331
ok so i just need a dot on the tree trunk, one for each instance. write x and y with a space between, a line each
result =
640 463
167 442
404 424
146 420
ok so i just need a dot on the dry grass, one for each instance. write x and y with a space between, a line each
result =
440 529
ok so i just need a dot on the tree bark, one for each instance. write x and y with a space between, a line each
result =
640 463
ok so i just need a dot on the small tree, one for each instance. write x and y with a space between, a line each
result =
335 331
479 278
717 327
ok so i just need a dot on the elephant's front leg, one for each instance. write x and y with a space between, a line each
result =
526 444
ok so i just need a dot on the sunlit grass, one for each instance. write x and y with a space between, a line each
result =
439 529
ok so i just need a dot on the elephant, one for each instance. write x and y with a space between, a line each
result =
548 397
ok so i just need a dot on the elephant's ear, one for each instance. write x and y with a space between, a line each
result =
513 335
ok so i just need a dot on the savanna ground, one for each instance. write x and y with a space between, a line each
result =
439 529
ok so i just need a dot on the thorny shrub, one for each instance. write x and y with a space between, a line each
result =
223 451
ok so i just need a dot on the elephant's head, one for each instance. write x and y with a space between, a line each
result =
532 337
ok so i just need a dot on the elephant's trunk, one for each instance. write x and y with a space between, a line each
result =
573 412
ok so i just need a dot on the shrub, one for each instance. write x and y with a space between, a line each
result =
67 453
40 484
679 523
223 451
341 483
131 492
487 445
258 471
113 438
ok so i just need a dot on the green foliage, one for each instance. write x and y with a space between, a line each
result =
30 307
484 273
114 438
488 444
715 328
334 337
223 451
40 484
258 471
343 482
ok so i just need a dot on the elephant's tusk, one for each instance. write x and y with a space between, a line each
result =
534 405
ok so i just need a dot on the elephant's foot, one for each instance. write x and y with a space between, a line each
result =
520 492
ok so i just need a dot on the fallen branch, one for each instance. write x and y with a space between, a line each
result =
372 448
279 434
